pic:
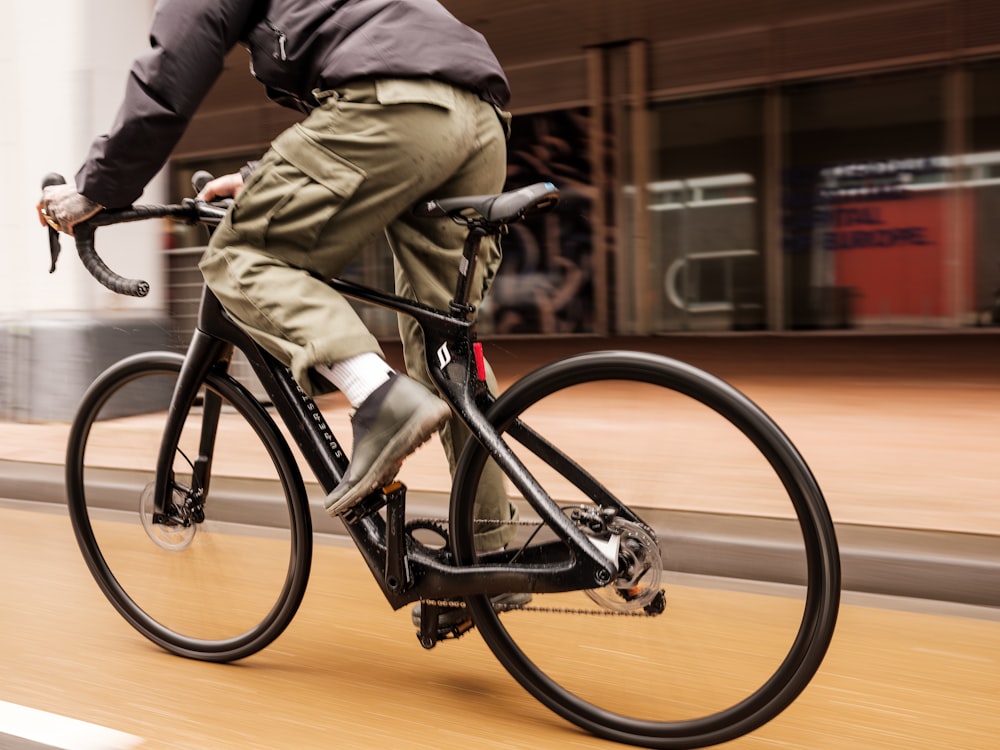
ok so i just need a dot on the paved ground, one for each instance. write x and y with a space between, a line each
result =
348 672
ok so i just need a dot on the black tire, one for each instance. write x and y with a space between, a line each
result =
227 584
750 602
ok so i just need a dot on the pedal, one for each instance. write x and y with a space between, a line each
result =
445 634
456 631
373 503
431 632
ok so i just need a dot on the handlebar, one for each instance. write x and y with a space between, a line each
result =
190 210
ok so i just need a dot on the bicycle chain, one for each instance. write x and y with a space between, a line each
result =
443 522
491 521
546 610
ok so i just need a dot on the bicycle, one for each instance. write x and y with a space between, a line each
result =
612 578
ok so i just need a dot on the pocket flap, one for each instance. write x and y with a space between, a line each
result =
423 91
337 174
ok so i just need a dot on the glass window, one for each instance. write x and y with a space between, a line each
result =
983 175
706 248
865 202
545 282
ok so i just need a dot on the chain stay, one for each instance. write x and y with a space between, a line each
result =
521 608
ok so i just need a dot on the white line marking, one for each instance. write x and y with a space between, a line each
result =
61 731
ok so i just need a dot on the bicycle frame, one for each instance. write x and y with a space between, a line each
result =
591 541
405 571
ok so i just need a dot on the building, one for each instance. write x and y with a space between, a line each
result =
726 165
733 165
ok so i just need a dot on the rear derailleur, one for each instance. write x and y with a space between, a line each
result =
633 548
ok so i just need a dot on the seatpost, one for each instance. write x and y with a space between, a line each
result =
460 306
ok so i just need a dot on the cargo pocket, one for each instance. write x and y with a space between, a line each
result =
296 189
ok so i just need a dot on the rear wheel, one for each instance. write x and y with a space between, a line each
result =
728 584
221 572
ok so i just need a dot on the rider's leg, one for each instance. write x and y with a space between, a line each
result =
431 277
319 196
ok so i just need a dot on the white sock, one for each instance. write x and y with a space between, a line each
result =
357 377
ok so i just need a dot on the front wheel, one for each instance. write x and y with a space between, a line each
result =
220 572
728 583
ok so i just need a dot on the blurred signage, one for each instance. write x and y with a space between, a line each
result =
884 223
873 225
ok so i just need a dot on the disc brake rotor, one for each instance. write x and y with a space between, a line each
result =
171 537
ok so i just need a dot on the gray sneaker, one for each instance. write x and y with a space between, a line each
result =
388 426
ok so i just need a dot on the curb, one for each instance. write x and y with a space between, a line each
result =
936 565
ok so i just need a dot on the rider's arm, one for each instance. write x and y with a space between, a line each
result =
189 41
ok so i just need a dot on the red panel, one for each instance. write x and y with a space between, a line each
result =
892 253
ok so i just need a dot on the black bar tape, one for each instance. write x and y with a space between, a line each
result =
100 271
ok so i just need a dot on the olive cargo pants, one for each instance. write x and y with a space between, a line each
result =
325 189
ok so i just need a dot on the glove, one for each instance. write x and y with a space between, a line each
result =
62 208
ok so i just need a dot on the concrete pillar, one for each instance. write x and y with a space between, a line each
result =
63 66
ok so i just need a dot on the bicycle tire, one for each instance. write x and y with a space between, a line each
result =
692 640
218 589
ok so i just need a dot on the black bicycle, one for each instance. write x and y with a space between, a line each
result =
634 573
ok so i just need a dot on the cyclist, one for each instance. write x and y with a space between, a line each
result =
400 101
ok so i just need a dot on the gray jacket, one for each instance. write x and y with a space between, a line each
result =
296 47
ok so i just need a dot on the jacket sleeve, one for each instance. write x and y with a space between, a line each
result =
189 41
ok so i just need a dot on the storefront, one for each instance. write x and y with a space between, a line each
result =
725 166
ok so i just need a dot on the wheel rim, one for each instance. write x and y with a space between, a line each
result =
218 591
664 723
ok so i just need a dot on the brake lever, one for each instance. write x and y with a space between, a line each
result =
55 245
198 181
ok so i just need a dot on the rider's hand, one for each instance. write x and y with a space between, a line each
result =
227 186
62 207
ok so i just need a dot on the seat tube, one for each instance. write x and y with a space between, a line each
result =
467 270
